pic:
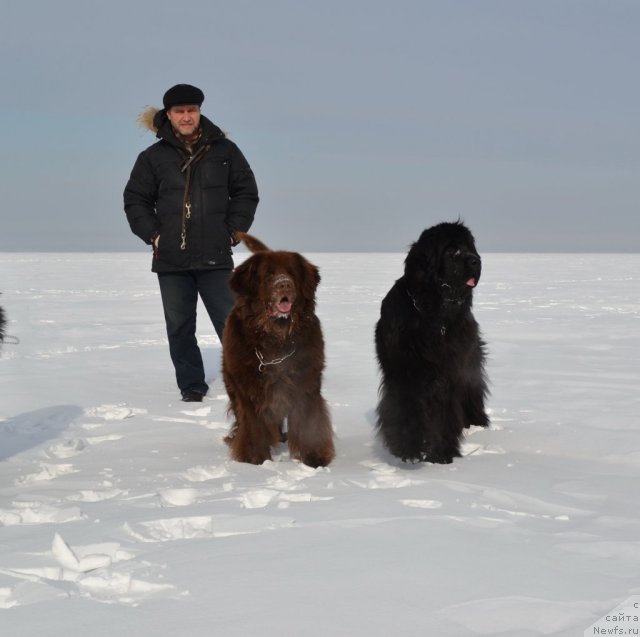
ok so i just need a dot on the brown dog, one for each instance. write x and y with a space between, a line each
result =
273 357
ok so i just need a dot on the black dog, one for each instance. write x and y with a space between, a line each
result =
3 323
429 349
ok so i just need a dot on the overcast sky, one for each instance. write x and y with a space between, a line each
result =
364 121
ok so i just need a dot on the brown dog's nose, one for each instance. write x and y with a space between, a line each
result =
283 284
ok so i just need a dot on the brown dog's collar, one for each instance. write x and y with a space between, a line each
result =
275 361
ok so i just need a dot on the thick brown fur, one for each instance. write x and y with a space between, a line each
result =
273 358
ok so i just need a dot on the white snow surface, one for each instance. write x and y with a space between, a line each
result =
121 513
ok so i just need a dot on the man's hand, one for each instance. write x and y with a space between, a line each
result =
154 242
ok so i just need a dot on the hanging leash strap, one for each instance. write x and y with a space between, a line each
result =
186 200
276 361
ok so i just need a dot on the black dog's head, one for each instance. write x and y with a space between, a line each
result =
444 260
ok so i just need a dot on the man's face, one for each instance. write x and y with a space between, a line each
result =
185 119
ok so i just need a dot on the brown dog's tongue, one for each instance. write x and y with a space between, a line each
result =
284 307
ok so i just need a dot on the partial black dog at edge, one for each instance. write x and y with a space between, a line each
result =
3 323
429 349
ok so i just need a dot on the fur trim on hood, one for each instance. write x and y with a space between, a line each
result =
152 118
147 119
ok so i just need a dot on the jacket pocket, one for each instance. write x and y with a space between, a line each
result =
169 251
215 172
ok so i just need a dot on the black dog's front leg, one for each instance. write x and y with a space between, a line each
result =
400 423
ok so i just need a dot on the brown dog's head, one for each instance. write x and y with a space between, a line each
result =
274 289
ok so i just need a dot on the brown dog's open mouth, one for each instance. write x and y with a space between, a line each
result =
283 296
282 308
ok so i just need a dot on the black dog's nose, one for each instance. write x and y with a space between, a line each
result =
473 260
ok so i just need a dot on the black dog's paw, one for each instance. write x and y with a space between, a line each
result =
483 421
411 453
480 420
433 457
412 458
443 455
438 458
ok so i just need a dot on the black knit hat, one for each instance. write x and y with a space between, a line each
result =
182 94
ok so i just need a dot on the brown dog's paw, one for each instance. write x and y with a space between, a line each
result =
250 456
316 460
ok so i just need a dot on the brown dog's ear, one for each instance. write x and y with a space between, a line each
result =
244 279
309 278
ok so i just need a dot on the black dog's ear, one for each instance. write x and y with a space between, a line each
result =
244 281
423 259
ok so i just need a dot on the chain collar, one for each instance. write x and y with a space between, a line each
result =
276 361
443 328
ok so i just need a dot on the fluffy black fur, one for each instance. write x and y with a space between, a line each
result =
429 349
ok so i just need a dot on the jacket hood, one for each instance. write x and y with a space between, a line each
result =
155 120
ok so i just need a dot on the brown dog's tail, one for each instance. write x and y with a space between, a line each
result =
255 245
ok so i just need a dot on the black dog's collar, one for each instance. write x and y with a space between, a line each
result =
443 328
445 299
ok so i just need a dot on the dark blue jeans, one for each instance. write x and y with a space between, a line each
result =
179 292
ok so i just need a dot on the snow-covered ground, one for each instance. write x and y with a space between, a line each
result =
120 512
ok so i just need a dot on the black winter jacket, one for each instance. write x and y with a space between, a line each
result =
223 198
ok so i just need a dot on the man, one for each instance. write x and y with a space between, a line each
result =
187 196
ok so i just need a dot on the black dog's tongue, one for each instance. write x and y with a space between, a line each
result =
472 282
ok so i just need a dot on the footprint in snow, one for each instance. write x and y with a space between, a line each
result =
98 440
204 526
67 448
422 504
89 495
386 476
178 497
32 513
74 446
101 572
113 412
201 411
47 472
201 473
